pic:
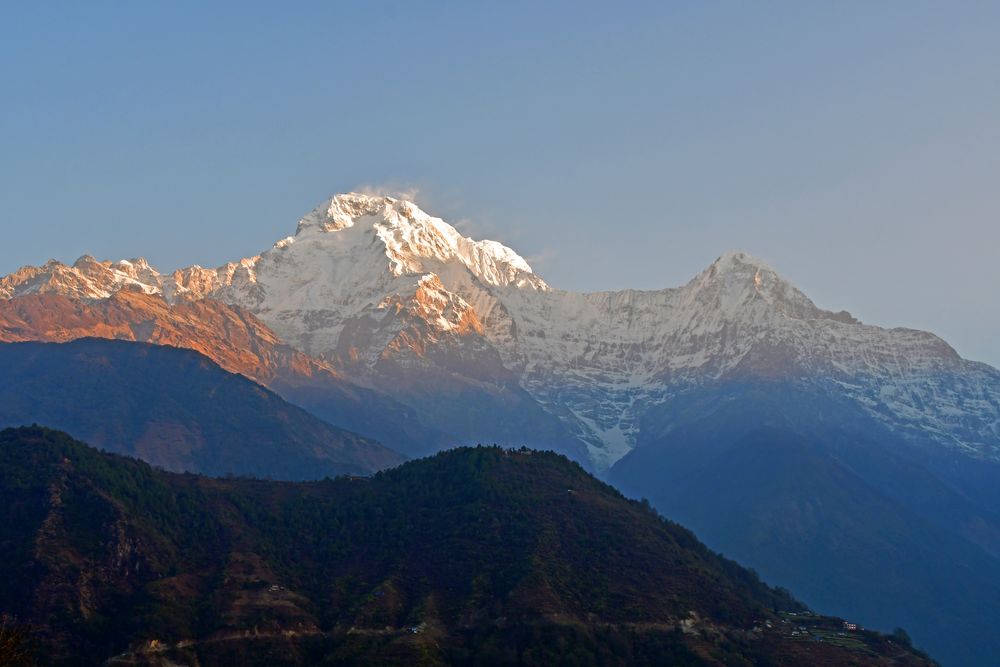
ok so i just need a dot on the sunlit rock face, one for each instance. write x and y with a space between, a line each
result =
465 331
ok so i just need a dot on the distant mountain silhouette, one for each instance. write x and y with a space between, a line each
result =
175 409
818 497
231 337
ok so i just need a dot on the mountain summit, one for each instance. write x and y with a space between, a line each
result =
399 301
736 280
413 241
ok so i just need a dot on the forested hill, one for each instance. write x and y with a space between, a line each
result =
474 556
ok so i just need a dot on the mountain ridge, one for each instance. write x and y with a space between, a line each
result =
231 337
387 294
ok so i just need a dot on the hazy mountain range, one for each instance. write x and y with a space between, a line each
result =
858 465
393 298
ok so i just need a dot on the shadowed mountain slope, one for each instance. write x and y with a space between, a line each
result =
175 409
231 337
816 497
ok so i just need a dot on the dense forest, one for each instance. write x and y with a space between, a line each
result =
474 556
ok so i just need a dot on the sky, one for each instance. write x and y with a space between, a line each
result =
854 146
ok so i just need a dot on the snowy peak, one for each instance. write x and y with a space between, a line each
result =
133 273
739 274
371 265
737 260
414 241
87 278
737 283
341 211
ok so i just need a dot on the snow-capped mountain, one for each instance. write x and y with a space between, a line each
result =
399 300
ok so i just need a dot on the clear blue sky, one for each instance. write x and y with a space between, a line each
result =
853 145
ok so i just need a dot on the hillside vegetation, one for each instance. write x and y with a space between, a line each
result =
475 556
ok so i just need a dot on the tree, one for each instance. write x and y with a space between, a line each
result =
16 648
902 636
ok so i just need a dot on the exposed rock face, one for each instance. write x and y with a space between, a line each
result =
231 336
396 299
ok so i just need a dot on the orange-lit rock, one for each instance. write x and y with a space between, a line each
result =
229 335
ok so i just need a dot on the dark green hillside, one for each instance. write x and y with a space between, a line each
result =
175 409
474 556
